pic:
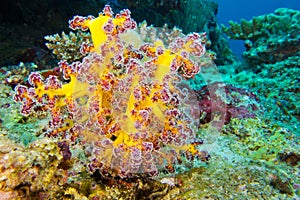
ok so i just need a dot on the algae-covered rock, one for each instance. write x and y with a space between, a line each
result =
230 182
247 160
260 140
277 86
31 171
15 126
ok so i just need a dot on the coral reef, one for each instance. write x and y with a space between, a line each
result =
272 70
230 172
119 117
268 38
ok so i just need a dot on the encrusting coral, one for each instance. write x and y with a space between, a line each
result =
122 102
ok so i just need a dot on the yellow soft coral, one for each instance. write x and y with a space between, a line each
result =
123 99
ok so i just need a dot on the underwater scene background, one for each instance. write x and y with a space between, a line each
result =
165 99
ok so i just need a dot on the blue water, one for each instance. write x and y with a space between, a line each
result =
235 10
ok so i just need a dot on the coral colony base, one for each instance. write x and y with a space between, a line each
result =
122 102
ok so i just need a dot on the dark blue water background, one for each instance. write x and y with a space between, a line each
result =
235 10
